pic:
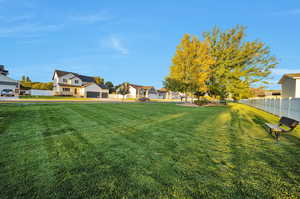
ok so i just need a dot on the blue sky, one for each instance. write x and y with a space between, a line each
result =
133 40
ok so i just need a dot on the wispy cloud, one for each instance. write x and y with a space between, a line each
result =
91 18
28 28
288 12
118 46
15 18
115 43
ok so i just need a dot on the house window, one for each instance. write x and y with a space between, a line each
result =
76 82
66 89
152 91
65 80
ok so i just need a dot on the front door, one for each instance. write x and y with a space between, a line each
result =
75 91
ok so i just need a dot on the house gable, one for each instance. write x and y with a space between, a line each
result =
70 79
83 78
290 84
76 81
67 76
95 87
289 76
8 83
92 87
4 78
132 90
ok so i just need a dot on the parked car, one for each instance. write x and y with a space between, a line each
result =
144 99
7 93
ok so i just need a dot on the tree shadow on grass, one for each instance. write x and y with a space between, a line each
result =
262 123
293 139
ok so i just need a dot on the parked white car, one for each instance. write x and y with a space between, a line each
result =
7 93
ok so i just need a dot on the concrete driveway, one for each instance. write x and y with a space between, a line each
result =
8 98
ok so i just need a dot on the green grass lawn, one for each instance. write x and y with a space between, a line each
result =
144 151
39 97
43 97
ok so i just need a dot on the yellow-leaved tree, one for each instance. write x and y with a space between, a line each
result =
223 65
190 66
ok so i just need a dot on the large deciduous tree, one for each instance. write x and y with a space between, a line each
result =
190 66
238 63
222 65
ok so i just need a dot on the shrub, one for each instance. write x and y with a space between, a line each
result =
201 102
224 102
143 99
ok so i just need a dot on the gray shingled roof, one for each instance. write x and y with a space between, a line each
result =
103 86
82 77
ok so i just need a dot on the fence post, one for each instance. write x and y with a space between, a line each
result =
274 104
280 104
289 107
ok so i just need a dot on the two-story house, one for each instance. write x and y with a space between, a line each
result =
290 84
73 84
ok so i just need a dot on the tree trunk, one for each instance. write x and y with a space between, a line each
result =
186 97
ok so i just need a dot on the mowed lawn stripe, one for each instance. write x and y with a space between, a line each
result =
144 151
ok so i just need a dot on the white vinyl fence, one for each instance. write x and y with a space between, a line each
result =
35 92
289 107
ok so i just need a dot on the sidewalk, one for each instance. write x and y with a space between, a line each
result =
77 100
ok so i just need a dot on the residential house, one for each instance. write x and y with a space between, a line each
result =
273 93
259 92
167 94
137 91
290 84
73 84
7 82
